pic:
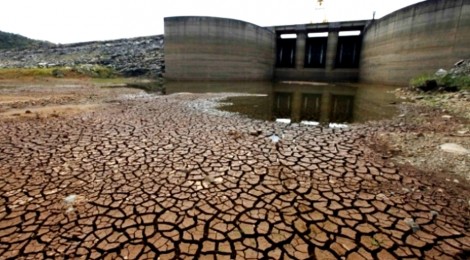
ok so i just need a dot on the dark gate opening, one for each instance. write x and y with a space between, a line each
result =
315 52
285 53
348 52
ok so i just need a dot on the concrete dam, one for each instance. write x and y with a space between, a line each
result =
417 39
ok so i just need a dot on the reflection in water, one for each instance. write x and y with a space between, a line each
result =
300 102
313 103
341 108
311 107
282 105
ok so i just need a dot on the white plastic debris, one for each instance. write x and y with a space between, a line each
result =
70 199
336 125
274 138
283 120
312 123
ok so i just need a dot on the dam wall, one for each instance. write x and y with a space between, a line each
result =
210 48
415 40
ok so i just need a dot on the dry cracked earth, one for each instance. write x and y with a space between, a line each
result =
171 177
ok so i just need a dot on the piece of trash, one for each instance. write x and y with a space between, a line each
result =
70 199
274 138
283 120
336 125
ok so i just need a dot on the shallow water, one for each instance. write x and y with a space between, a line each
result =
306 102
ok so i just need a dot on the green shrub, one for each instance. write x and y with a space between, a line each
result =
95 71
420 80
449 80
463 81
25 72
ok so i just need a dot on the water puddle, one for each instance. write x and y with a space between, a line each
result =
307 103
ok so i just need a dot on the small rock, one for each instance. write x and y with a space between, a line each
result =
454 148
456 181
441 73
218 180
446 117
211 180
413 225
458 63
27 112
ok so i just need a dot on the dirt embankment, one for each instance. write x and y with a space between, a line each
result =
430 137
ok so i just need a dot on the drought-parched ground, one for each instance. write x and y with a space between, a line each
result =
140 176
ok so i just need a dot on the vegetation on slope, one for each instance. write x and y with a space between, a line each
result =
93 71
10 41
457 78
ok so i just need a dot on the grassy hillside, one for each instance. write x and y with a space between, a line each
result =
15 41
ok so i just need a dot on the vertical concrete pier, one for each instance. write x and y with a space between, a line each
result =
300 53
331 49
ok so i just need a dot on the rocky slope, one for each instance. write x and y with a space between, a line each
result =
142 56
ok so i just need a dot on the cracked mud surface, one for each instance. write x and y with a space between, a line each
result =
171 177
